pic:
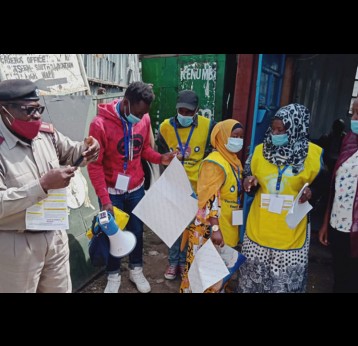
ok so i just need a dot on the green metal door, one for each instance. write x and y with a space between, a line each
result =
202 73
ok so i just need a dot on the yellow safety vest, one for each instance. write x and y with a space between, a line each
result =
228 199
270 229
197 144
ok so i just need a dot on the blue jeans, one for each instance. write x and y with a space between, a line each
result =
176 256
127 203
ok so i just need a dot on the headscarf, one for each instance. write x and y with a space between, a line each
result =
295 118
219 137
209 184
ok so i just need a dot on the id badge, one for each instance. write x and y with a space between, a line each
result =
122 182
237 217
276 204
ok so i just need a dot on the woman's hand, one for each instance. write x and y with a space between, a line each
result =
217 238
250 182
323 234
306 195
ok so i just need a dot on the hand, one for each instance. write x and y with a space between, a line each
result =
57 178
323 235
108 207
217 238
167 158
249 182
306 195
92 151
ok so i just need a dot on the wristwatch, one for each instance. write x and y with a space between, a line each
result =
215 228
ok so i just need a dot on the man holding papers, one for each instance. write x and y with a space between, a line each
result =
276 251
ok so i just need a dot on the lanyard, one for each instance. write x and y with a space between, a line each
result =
279 178
183 150
128 147
237 177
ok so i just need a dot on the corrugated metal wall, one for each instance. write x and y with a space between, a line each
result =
324 84
112 71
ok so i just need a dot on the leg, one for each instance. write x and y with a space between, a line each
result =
135 225
55 276
345 268
22 257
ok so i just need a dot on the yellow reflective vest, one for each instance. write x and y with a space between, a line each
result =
228 199
197 144
270 229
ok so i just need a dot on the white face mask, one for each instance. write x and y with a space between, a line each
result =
234 145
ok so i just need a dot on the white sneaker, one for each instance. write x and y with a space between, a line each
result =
136 276
113 283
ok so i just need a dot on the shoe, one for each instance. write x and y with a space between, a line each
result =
113 283
181 269
136 276
171 272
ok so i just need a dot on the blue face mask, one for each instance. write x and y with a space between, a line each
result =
279 140
185 121
133 119
234 145
354 126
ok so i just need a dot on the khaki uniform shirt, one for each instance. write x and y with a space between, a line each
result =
21 166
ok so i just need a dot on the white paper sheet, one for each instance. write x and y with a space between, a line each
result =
50 213
298 210
207 268
168 207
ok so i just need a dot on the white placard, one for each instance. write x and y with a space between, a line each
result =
167 208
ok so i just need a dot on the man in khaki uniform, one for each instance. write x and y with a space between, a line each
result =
31 153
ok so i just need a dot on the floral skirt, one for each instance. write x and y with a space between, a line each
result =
198 235
273 271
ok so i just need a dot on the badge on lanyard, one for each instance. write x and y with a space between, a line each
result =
237 218
122 182
276 204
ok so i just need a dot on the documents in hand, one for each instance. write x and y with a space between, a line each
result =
50 214
298 210
168 207
207 268
213 264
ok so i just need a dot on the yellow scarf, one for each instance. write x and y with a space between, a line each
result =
208 185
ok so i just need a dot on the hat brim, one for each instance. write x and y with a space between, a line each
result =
31 98
186 105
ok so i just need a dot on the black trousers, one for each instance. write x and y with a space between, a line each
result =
345 268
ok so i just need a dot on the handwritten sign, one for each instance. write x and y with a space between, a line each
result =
54 74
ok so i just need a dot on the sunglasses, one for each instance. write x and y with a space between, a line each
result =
30 110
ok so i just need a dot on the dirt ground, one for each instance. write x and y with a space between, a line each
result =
156 258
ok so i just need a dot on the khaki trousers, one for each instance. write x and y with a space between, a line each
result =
33 262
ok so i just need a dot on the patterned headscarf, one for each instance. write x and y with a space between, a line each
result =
295 118
219 137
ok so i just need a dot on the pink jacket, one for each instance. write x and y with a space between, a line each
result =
107 128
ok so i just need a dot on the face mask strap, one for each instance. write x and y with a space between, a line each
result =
8 114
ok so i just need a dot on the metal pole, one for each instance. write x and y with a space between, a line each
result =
83 73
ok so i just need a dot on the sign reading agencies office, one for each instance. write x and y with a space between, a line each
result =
53 73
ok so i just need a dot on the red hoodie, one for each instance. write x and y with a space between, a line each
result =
107 128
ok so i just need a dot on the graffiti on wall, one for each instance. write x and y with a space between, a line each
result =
201 78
